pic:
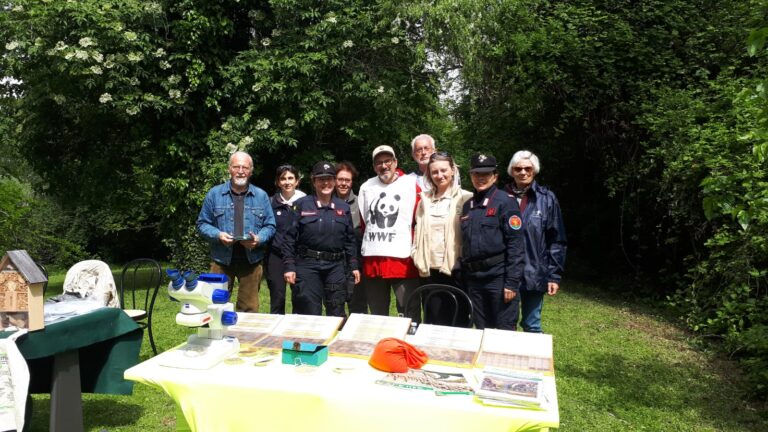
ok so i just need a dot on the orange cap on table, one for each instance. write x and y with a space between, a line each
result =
395 355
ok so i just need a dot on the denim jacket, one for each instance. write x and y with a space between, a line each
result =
218 213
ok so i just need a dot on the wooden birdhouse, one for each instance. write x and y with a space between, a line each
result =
21 291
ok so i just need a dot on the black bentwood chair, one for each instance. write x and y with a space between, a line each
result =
141 278
45 272
437 296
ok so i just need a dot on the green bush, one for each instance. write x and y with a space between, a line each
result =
36 224
716 187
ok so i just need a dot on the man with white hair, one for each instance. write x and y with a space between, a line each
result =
422 147
237 221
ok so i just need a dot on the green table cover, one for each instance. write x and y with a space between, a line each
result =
108 343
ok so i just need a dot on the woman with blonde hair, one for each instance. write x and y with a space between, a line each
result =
437 240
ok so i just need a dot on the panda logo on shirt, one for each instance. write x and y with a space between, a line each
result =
384 210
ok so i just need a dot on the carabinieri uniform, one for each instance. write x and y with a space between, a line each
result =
317 246
493 256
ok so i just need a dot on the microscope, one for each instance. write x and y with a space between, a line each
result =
206 306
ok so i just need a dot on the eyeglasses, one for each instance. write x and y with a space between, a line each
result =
435 155
425 149
286 167
240 167
521 169
387 162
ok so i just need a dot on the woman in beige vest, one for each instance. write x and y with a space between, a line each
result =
437 240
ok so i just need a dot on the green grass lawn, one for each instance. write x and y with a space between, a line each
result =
619 367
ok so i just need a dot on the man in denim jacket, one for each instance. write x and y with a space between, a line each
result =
237 221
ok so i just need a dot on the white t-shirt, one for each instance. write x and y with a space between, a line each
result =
387 210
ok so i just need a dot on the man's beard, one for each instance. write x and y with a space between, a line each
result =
239 181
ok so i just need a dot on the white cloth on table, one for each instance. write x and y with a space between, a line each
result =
14 382
92 278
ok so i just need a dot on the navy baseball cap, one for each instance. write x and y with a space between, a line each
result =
482 163
323 169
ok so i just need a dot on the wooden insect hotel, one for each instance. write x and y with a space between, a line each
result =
21 291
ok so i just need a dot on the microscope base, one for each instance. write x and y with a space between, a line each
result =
201 353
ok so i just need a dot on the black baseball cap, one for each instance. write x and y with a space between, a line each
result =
323 169
482 163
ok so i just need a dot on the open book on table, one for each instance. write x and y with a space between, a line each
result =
362 332
530 352
257 332
453 346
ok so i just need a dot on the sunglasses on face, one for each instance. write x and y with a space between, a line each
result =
521 169
435 155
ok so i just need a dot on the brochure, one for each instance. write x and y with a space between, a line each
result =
442 383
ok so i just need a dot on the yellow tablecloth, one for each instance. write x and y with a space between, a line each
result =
339 395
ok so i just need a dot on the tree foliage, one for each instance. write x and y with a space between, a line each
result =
130 108
639 114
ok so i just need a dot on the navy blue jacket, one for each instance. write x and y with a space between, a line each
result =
283 220
545 242
326 229
491 224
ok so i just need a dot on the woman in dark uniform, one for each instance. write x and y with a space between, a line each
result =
287 180
319 246
492 248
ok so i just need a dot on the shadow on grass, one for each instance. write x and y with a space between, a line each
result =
636 362
617 295
676 395
100 412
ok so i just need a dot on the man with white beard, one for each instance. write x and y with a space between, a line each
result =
422 147
387 203
237 222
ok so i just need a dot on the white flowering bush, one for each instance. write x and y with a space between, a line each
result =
152 98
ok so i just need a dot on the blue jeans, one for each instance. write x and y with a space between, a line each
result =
530 305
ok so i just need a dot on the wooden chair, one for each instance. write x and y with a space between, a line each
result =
141 280
447 296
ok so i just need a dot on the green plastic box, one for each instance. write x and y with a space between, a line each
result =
300 353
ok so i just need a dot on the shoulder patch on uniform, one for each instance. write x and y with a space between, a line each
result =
515 222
